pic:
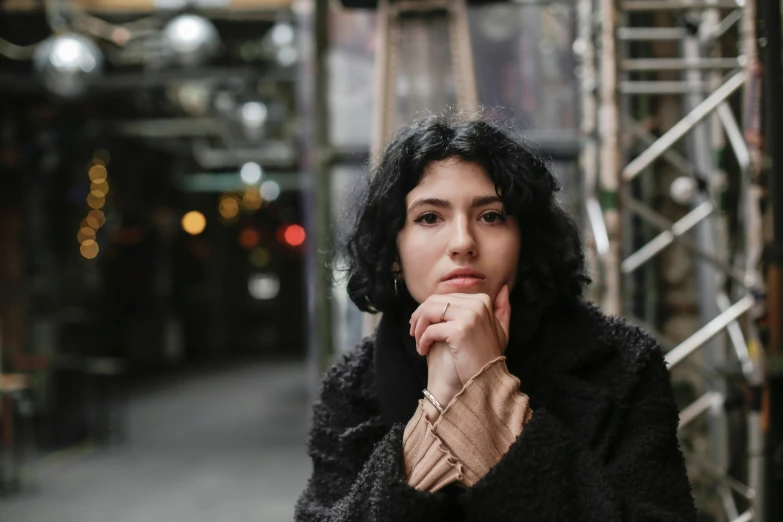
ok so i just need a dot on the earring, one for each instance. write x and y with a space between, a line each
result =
395 287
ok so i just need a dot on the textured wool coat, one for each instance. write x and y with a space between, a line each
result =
601 446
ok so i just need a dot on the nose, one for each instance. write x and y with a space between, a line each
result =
462 241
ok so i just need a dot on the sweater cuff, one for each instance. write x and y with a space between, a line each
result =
484 419
429 465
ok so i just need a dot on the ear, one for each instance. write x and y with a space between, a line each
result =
397 270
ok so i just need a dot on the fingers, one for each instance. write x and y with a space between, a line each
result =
502 309
433 333
431 313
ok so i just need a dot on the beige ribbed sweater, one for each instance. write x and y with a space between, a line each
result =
471 435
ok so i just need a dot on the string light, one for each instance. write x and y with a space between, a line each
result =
85 234
98 173
101 187
101 157
96 200
98 216
89 249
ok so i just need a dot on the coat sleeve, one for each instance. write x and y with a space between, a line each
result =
358 467
548 474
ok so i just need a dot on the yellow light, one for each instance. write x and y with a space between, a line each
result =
95 200
98 216
194 222
85 234
89 249
229 207
101 157
98 173
259 257
251 200
101 187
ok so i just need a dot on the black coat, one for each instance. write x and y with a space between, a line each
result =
601 446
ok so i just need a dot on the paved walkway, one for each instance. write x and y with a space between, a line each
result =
226 446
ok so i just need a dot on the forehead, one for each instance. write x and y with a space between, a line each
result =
454 177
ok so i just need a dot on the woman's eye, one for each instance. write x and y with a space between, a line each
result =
427 219
494 217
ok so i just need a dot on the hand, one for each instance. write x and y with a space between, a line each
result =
474 328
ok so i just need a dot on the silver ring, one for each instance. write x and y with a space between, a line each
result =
443 315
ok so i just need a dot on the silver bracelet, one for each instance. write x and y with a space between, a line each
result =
432 399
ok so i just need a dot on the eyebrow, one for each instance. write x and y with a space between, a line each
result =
478 201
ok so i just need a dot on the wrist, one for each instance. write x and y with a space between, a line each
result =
443 394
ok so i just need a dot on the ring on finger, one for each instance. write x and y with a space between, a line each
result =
443 315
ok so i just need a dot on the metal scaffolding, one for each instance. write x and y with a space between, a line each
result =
722 228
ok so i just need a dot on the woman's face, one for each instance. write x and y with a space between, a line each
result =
456 238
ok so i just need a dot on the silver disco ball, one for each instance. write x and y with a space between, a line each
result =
68 63
190 39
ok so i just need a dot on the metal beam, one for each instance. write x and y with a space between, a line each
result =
671 136
678 64
708 331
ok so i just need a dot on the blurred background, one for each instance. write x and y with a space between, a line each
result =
172 178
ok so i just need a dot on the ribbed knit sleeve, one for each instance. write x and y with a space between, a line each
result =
471 435
429 465
483 420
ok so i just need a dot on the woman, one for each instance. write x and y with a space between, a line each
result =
490 390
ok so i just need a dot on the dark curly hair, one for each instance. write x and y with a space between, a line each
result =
551 257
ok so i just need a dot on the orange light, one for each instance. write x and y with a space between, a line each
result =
193 222
98 173
85 234
229 207
98 216
101 157
89 249
294 235
96 200
100 187
248 238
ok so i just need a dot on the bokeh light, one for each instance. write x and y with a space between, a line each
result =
101 187
260 257
98 216
89 249
294 235
270 190
229 207
85 234
101 157
251 173
95 200
251 200
249 238
194 222
98 173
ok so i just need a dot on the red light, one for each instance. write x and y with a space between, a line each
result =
294 235
249 238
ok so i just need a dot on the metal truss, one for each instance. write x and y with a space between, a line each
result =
618 151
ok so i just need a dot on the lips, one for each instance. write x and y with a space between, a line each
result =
463 274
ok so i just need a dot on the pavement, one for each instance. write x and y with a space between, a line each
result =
225 445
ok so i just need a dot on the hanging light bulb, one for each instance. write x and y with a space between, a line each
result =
191 39
68 63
